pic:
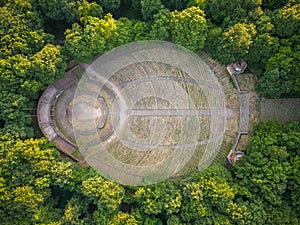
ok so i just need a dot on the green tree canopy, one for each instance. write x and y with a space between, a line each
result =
266 168
83 44
274 84
90 9
149 8
188 28
110 5
161 26
236 42
27 170
157 199
66 10
287 19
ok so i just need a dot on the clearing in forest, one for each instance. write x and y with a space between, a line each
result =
147 111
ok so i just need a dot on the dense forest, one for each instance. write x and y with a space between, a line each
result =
39 38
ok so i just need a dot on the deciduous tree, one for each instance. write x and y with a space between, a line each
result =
149 8
188 28
110 5
236 42
90 9
287 19
161 26
83 44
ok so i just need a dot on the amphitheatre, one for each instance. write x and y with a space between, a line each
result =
145 112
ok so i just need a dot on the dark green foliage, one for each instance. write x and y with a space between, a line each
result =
136 5
213 39
273 4
274 84
267 167
227 13
287 19
175 4
66 10
110 5
149 8
262 48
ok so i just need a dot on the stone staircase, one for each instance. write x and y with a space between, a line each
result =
231 101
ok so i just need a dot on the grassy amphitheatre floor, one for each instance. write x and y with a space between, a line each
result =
148 112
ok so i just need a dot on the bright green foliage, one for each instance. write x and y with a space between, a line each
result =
264 25
236 42
22 78
282 60
21 206
294 183
123 219
48 65
24 11
141 31
110 5
90 9
149 8
105 194
160 29
25 177
188 28
27 65
123 35
30 75
211 202
24 161
156 199
16 36
72 215
83 44
287 20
